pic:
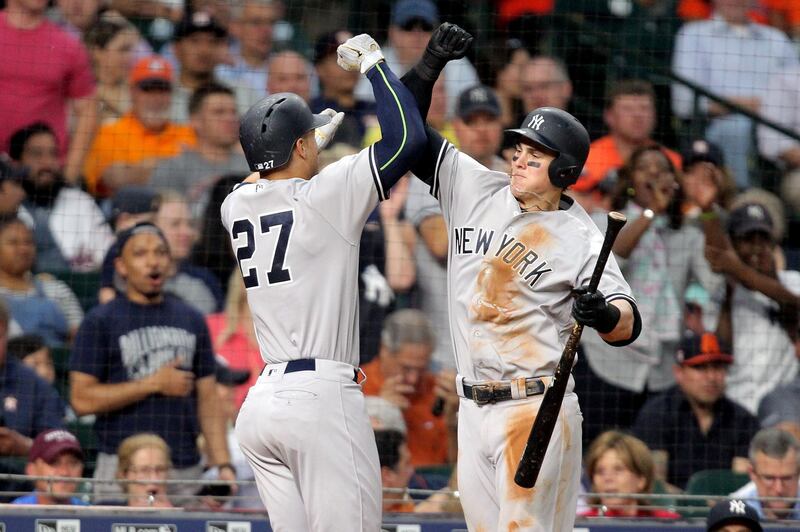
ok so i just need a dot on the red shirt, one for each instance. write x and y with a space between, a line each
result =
652 514
41 69
238 351
427 434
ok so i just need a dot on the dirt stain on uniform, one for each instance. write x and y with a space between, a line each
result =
518 426
496 292
521 524
564 480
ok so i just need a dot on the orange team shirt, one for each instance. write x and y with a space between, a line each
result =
427 434
127 141
603 157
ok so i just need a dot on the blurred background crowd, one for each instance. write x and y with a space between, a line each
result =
114 112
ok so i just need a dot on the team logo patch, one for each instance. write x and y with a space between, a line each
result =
536 122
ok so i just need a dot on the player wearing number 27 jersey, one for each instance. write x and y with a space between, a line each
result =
303 425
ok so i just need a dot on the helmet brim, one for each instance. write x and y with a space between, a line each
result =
531 135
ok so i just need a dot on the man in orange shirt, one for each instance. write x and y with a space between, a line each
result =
630 115
400 375
125 152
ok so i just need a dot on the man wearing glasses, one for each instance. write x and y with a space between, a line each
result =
775 472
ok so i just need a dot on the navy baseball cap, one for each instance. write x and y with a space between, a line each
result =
733 511
133 199
702 150
696 349
750 218
407 11
477 99
197 22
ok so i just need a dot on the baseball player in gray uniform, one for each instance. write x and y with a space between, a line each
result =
304 427
520 251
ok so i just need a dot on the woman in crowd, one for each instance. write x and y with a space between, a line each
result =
660 255
620 467
234 337
111 42
195 285
40 304
143 465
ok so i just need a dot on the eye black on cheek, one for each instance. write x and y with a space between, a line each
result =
534 164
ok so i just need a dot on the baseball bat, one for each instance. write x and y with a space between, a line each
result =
539 438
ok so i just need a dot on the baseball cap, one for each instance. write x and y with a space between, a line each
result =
702 150
197 22
749 218
385 415
406 11
142 228
479 98
696 349
152 71
733 511
133 199
48 445
227 375
327 43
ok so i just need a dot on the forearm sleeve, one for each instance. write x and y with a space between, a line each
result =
402 130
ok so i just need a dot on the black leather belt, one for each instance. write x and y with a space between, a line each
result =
494 392
307 364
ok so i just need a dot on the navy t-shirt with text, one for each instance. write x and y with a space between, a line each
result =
124 341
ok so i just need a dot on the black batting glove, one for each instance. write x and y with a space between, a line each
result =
447 43
592 310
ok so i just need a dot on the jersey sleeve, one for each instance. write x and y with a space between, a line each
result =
460 182
90 349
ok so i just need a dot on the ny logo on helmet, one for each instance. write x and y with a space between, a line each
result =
264 166
536 122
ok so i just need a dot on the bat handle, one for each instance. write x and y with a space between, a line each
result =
616 220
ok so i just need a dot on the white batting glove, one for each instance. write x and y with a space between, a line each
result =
324 134
359 53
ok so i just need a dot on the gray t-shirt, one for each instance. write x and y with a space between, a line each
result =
195 176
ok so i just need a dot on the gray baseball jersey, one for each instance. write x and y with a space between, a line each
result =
510 272
297 245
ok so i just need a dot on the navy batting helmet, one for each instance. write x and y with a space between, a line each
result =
270 128
560 132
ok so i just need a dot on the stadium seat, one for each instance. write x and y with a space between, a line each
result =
713 482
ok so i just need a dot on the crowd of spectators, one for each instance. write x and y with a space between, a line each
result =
119 141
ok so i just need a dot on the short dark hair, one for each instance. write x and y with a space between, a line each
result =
204 91
9 219
103 32
389 442
22 346
18 140
630 87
